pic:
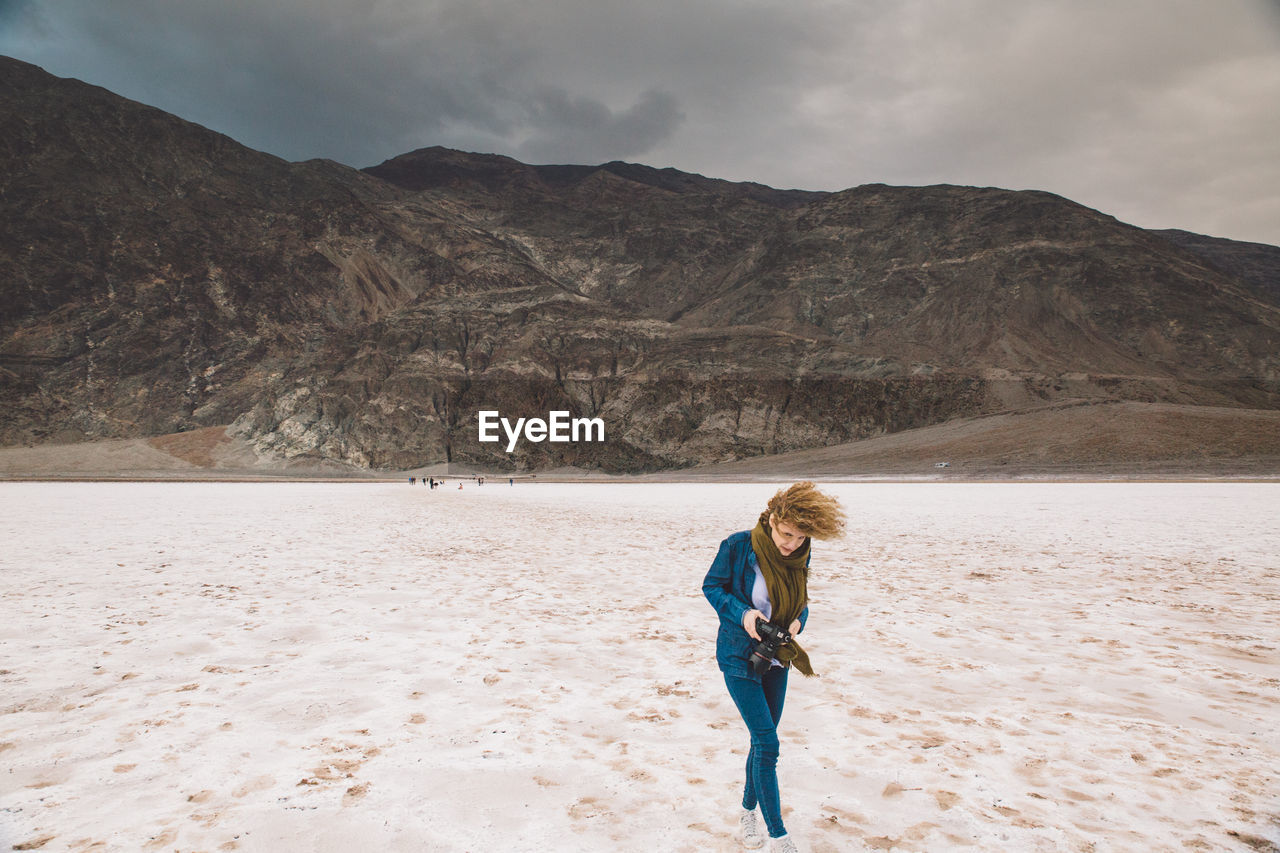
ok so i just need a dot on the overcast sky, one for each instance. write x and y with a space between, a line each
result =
1164 113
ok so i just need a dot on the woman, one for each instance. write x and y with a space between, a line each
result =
762 574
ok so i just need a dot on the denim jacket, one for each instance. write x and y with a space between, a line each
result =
728 587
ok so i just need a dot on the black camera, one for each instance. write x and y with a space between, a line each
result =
772 638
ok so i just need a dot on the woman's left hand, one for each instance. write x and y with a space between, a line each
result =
794 630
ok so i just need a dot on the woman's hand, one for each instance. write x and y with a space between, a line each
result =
749 623
794 630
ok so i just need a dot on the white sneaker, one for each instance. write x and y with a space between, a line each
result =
783 845
752 837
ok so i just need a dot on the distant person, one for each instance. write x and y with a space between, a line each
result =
511 481
758 584
412 480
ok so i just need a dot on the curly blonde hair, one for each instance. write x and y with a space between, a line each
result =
808 510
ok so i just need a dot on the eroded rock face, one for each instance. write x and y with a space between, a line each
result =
159 277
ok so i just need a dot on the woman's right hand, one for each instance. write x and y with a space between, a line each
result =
749 623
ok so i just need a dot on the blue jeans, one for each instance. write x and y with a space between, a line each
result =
760 704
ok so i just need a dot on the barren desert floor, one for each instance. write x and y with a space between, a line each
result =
336 667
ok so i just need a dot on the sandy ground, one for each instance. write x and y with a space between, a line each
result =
1081 440
333 667
202 454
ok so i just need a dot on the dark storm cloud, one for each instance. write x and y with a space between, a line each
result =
350 81
335 83
582 130
1160 112
359 81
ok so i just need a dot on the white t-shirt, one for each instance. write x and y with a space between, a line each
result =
760 593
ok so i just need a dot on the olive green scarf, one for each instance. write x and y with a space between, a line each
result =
786 578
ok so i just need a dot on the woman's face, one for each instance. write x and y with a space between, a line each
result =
785 536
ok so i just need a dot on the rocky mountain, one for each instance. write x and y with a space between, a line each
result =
1255 265
159 278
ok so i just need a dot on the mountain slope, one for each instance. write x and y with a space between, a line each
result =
955 277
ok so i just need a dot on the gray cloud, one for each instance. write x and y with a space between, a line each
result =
1160 112
358 83
584 130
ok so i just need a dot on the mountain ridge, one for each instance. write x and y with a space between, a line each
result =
159 277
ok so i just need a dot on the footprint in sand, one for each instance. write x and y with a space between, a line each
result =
588 807
946 799
355 794
164 839
894 790
261 783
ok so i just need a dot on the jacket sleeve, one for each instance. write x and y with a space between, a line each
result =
716 587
